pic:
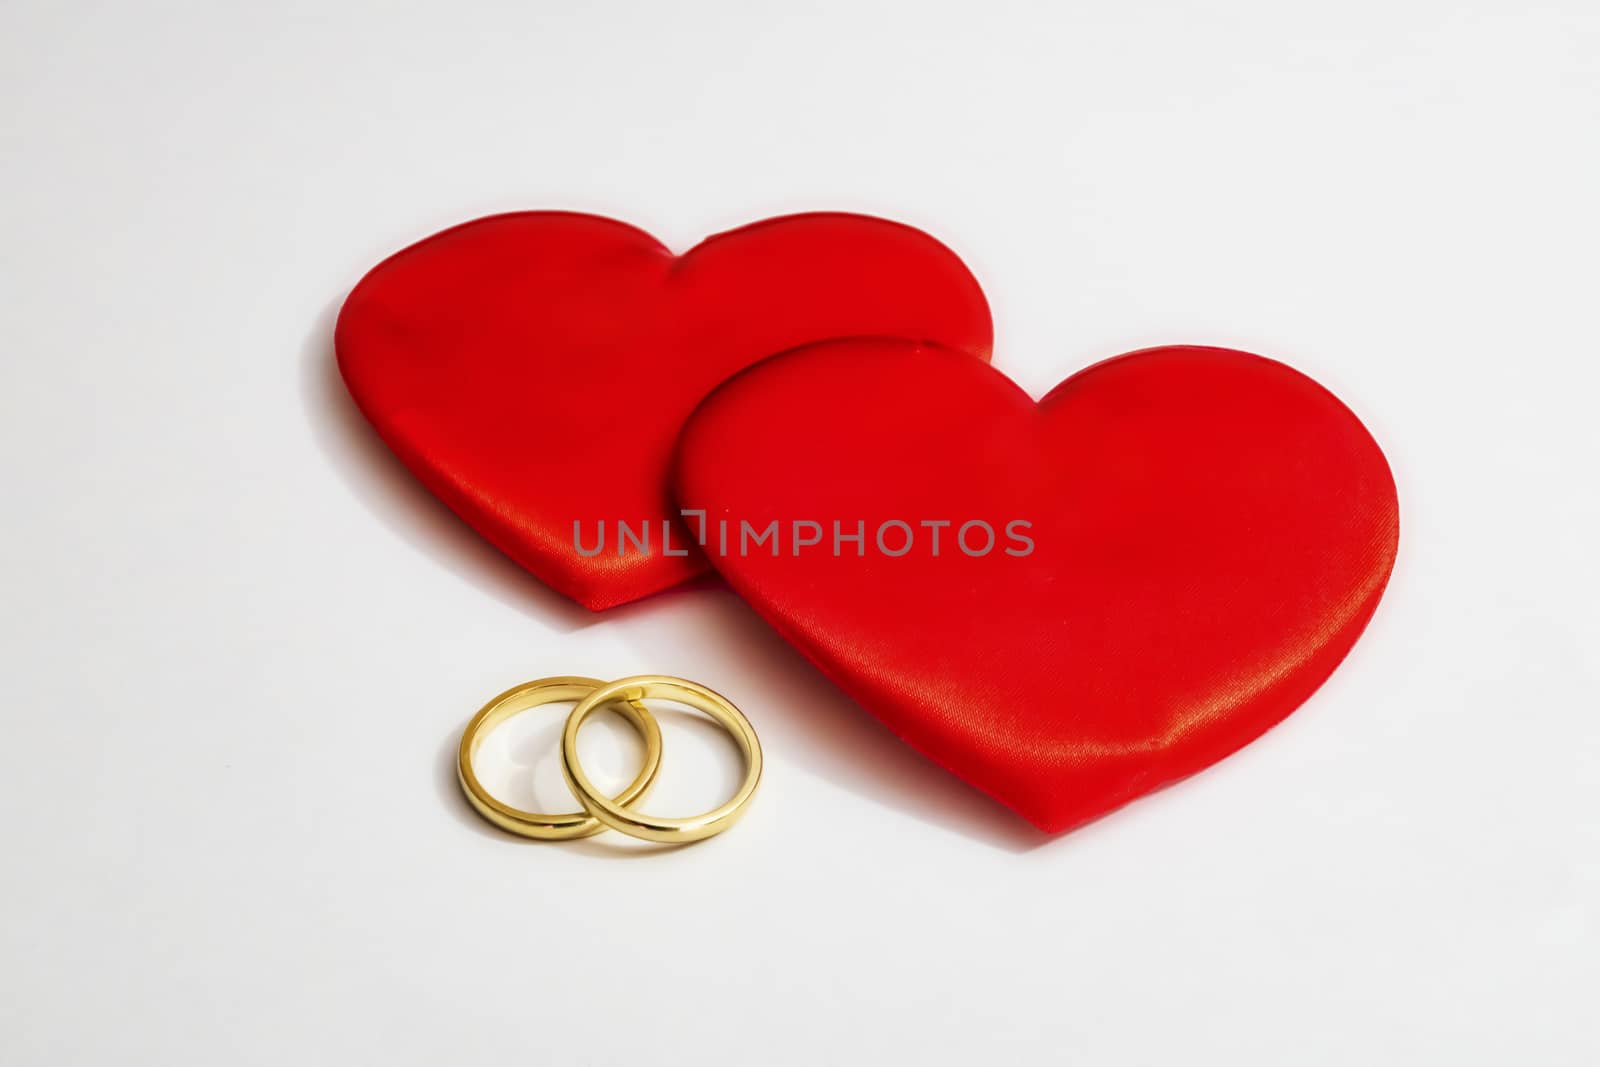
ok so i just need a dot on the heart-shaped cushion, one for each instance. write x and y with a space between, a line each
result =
534 369
1181 545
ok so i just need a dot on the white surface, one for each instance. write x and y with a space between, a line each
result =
239 643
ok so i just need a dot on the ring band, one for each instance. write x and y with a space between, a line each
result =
570 825
614 813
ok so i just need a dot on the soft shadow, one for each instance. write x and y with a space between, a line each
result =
392 494
803 715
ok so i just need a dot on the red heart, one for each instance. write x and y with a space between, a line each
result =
1210 533
533 369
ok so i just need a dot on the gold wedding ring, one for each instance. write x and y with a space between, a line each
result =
653 827
627 696
568 826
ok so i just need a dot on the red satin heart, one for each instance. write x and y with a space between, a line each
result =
533 369
1211 531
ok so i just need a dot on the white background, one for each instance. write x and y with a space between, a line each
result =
239 643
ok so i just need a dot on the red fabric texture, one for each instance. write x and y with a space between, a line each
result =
1211 532
534 369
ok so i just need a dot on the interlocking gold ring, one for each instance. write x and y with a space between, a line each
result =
568 826
614 813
